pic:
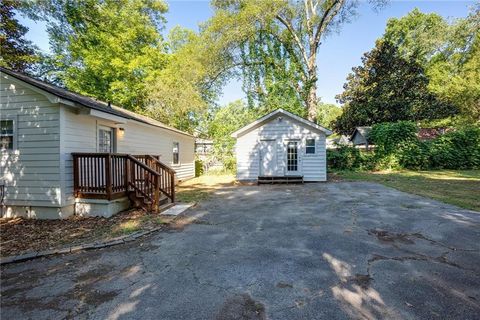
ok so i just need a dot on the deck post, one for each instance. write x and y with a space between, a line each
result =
108 172
126 174
172 184
75 175
156 197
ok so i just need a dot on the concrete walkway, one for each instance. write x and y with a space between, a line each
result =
313 251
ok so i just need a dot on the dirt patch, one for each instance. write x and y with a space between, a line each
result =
386 236
20 235
241 307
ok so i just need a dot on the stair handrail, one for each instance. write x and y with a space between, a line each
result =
171 172
156 185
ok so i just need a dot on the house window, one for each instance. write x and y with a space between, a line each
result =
310 146
176 151
6 135
105 139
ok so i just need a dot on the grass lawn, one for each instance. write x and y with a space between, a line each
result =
458 187
202 187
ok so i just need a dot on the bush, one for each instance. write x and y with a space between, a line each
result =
456 150
198 168
396 149
229 164
414 155
344 158
387 137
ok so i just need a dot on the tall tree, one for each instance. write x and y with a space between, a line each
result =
298 26
388 88
107 49
226 120
183 90
273 83
448 51
17 53
327 113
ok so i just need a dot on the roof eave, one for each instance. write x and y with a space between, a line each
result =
253 124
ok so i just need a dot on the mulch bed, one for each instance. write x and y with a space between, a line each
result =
20 235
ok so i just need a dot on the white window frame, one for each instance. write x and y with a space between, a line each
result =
177 144
314 146
14 133
113 144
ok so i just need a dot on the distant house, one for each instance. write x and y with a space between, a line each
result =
63 153
425 134
342 140
359 136
203 147
281 146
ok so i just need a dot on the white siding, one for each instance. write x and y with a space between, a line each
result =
139 138
31 171
39 172
313 166
79 134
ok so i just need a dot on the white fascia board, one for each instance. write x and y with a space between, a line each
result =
107 116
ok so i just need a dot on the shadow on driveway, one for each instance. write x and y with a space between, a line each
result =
315 251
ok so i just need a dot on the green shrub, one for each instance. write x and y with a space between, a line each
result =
456 150
229 164
387 137
414 155
397 147
344 158
198 168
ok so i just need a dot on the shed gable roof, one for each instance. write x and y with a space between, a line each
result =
88 101
259 122
364 131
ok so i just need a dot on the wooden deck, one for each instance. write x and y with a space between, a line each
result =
145 180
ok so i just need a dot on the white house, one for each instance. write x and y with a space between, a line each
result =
281 146
118 156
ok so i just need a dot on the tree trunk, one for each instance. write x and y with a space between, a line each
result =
311 102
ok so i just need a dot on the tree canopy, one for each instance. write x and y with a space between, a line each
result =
108 49
388 88
275 44
424 67
448 51
17 53
327 113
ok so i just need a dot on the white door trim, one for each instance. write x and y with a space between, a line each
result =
293 156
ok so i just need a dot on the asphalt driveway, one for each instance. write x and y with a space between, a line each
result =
314 251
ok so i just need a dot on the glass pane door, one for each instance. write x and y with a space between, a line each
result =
105 139
292 156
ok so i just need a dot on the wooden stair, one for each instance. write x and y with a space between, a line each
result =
279 179
144 179
140 201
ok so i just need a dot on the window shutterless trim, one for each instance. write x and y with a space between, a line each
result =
14 135
310 149
176 153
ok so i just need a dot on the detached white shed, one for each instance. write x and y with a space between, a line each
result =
281 145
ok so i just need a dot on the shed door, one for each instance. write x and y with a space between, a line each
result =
268 157
293 161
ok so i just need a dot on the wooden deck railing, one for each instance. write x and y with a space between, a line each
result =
112 175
